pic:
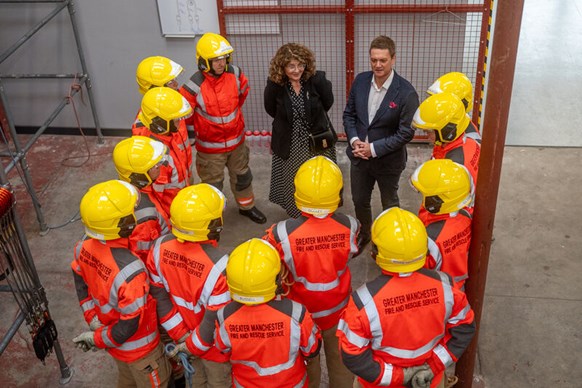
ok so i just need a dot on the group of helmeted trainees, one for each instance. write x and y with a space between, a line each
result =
173 309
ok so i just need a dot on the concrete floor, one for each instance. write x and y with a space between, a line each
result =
530 332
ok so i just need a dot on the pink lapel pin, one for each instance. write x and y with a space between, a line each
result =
392 105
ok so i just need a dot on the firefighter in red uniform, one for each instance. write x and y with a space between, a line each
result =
268 338
446 195
217 93
315 249
460 85
138 160
187 275
162 114
443 116
155 72
409 324
112 286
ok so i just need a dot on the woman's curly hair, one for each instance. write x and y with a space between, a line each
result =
286 54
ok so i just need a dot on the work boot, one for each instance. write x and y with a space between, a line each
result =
254 214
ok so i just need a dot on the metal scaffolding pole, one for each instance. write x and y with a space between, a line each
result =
19 156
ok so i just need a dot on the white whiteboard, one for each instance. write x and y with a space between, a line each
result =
187 18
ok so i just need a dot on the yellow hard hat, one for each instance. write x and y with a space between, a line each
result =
443 113
251 272
318 184
212 46
445 186
458 84
134 157
160 107
400 241
196 213
156 72
108 210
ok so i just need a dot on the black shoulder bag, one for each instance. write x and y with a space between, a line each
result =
322 135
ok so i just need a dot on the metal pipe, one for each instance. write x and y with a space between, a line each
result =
21 76
88 85
503 58
11 331
32 31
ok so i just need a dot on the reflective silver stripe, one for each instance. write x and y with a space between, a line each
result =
87 306
443 355
190 128
460 316
210 282
236 71
222 331
353 231
155 278
105 309
133 345
474 135
156 256
196 308
435 252
459 278
325 313
108 343
387 375
219 299
169 186
133 307
448 292
217 119
236 383
294 341
78 251
129 270
242 91
352 337
175 182
229 143
312 339
146 212
144 245
302 382
173 322
198 344
193 86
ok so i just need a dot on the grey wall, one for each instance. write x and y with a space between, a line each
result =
116 36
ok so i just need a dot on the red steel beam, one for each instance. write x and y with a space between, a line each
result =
501 73
350 45
363 8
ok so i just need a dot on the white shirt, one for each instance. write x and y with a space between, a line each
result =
375 98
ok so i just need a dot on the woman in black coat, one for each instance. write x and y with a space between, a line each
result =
296 96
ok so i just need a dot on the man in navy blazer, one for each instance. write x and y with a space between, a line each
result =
377 121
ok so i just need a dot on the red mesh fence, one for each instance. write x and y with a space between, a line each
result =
432 37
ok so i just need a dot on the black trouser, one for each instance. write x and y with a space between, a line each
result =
363 176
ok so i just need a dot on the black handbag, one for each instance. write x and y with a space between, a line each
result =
322 137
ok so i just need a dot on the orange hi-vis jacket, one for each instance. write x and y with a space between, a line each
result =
187 278
267 343
151 224
112 283
316 252
448 243
180 151
401 320
464 150
217 103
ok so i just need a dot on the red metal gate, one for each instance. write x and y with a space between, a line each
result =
432 37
